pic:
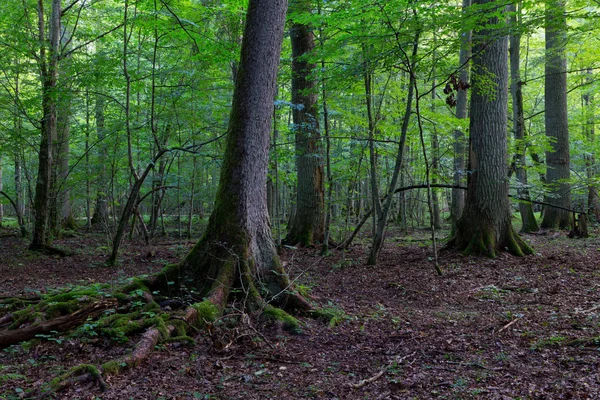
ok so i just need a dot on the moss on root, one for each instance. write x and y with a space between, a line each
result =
207 311
517 246
278 315
112 367
77 370
483 243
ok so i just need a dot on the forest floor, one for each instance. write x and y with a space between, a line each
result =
504 328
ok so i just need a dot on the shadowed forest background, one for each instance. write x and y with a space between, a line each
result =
320 199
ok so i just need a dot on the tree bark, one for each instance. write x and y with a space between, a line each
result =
589 132
529 224
458 196
556 118
237 249
48 64
485 226
308 224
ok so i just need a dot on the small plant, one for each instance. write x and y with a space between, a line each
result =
549 342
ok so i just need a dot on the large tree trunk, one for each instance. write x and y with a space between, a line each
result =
529 224
308 224
237 249
48 63
556 118
458 196
485 226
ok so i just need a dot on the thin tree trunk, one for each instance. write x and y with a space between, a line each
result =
48 63
590 159
458 196
383 212
529 224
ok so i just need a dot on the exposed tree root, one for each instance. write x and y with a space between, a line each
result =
123 312
59 324
50 251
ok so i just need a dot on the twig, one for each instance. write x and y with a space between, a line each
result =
588 310
380 373
369 380
514 321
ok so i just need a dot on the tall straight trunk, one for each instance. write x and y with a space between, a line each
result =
556 118
485 226
458 196
589 132
435 150
101 209
529 224
1 188
237 249
48 64
17 125
308 224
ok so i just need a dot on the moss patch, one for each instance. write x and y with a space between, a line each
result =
277 314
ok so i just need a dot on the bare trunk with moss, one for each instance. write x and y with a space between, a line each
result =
485 227
237 249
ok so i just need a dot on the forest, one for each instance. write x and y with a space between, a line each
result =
273 199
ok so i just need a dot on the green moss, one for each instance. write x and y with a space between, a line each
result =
517 246
62 308
112 367
183 338
483 243
331 316
277 314
137 283
73 295
77 370
207 311
180 327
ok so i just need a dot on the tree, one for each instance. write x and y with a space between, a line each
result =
529 224
458 195
308 223
237 249
558 166
48 65
485 226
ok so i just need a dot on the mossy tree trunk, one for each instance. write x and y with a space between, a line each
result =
485 226
237 249
308 224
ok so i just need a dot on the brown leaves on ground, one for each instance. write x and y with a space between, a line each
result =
488 329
